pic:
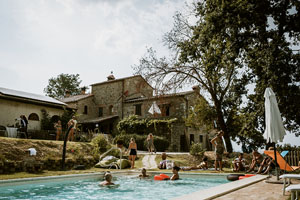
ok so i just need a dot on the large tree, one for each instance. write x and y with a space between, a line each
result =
64 82
222 52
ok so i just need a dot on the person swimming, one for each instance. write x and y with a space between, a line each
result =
175 175
108 178
144 174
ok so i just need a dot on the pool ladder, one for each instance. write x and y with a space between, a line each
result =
104 154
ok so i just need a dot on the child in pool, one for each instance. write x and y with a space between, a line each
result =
175 175
144 174
108 178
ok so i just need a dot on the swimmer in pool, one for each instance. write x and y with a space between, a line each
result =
108 178
144 174
175 175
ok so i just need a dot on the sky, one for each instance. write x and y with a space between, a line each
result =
40 39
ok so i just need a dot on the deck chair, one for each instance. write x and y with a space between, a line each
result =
287 180
281 162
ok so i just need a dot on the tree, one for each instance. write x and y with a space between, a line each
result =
224 53
64 82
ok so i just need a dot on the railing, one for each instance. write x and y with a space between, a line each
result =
104 154
293 158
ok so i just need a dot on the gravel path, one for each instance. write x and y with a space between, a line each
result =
149 161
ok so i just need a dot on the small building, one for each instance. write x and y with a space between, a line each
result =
14 103
114 99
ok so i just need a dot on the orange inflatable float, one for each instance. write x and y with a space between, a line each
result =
161 177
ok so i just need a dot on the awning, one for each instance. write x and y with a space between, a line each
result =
97 120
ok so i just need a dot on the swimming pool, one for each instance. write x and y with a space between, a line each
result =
129 187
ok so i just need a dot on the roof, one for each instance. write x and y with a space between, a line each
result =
159 96
121 79
76 98
4 92
97 120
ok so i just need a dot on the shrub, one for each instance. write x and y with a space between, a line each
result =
197 149
139 139
100 144
160 143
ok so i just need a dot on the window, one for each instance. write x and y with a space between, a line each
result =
110 109
100 112
165 109
33 117
192 140
85 111
138 109
201 138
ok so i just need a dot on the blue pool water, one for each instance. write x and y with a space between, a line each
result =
129 187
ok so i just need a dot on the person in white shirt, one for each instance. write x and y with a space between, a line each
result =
239 163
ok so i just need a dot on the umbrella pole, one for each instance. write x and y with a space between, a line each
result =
276 169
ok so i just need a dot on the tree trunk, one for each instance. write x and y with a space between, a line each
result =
223 127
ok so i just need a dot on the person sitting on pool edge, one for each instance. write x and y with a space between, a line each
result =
175 175
144 174
239 163
108 178
202 165
163 162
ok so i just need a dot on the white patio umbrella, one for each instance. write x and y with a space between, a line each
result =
154 109
274 131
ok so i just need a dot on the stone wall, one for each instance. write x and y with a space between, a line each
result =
92 109
11 110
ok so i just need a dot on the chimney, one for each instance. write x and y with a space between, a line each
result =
83 89
111 77
196 89
67 93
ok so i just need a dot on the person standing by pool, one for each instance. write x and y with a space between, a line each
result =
150 143
58 128
73 122
108 178
219 149
132 151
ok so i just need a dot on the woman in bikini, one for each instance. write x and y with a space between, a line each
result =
132 152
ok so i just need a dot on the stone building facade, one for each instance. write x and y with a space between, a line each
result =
114 99
15 103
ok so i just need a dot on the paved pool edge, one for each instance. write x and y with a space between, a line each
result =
221 190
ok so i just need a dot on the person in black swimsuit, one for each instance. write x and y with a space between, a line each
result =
133 152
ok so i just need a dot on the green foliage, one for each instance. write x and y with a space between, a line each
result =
133 124
197 150
287 147
232 47
64 82
201 115
160 143
100 144
66 116
139 139
46 122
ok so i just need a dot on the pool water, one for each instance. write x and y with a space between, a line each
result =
129 187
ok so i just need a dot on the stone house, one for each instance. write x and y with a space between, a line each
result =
14 103
114 99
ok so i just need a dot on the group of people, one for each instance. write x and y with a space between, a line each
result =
108 176
72 132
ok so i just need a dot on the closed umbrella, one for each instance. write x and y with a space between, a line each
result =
274 131
154 109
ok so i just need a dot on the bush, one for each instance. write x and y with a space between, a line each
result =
160 143
100 144
197 149
139 139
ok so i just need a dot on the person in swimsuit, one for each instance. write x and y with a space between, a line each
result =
133 152
150 143
108 178
219 149
58 128
175 175
144 174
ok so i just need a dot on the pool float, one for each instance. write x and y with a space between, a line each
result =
246 176
234 177
161 177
